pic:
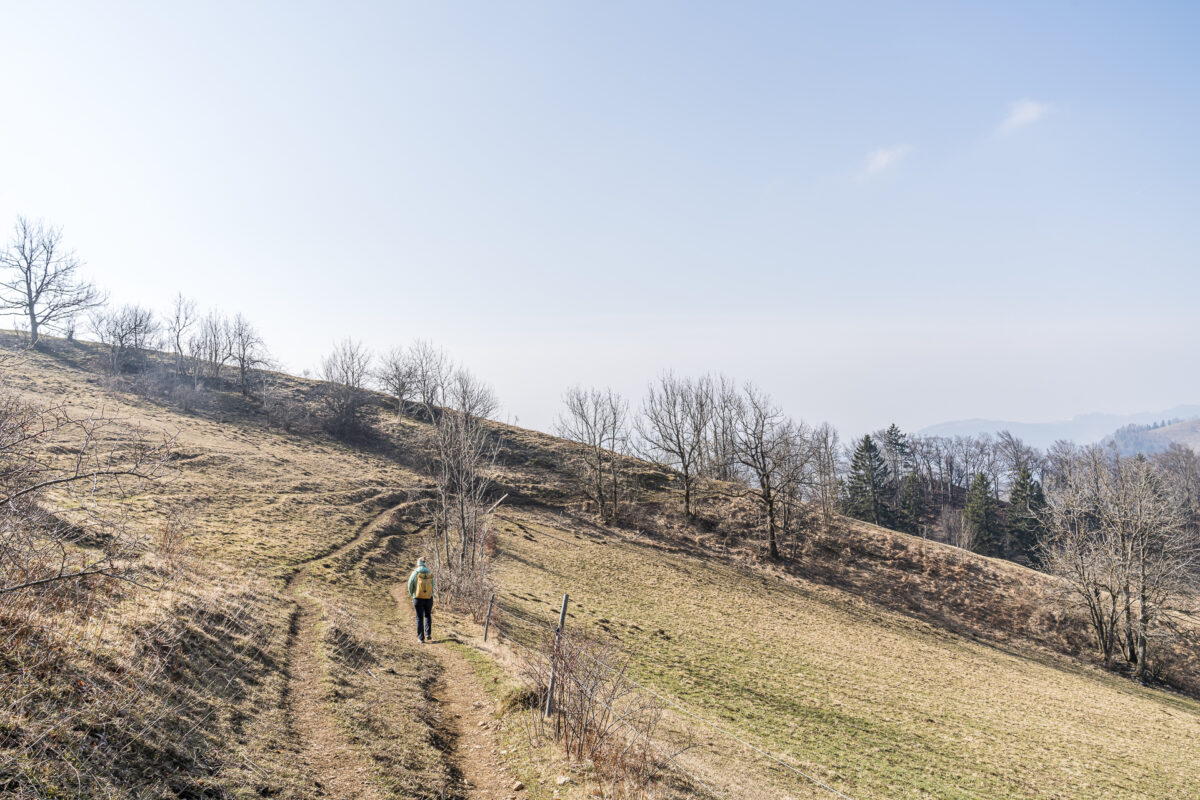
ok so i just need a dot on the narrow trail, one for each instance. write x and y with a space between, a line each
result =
467 714
336 768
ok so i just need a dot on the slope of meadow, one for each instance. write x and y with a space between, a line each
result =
190 691
881 665
874 702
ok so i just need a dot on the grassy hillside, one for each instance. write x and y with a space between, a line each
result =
882 665
874 702
212 713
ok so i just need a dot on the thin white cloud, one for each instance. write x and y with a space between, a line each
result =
1023 113
883 158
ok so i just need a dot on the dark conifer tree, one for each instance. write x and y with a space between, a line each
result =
980 517
897 453
1024 528
867 484
912 504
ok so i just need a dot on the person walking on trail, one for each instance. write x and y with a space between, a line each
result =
420 589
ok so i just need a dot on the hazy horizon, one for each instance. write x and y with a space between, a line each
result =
911 215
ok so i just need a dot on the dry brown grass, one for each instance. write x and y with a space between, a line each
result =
171 678
182 692
864 665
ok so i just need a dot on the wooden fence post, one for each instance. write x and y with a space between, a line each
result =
562 620
488 621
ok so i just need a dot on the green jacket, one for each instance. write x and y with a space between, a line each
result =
412 580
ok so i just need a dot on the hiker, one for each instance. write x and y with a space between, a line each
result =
420 589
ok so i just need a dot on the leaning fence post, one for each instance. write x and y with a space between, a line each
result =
562 620
488 620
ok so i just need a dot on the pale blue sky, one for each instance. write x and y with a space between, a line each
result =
900 211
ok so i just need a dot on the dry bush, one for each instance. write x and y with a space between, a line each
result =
598 716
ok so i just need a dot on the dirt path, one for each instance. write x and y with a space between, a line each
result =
466 711
337 769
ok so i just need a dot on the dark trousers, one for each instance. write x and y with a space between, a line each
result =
424 609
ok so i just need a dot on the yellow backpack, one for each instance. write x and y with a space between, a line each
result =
424 585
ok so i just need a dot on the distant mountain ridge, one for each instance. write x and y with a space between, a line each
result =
1082 429
1133 439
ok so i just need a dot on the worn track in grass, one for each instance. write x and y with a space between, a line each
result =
336 767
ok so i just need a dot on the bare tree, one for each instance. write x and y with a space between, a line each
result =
797 479
181 318
764 440
194 364
719 460
212 346
464 456
1015 456
469 395
431 369
955 529
1059 458
39 279
597 420
673 428
826 452
1182 465
397 376
125 331
345 372
1117 535
248 350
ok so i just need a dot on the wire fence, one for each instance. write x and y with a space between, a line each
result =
513 613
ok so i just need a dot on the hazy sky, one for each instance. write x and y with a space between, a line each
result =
878 212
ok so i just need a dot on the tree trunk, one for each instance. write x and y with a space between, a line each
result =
772 542
1143 618
687 496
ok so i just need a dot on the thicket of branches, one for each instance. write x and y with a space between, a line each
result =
597 714
717 439
1120 537
463 457
62 477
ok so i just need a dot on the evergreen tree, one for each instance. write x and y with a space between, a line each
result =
980 517
912 504
897 448
867 484
897 453
1025 503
